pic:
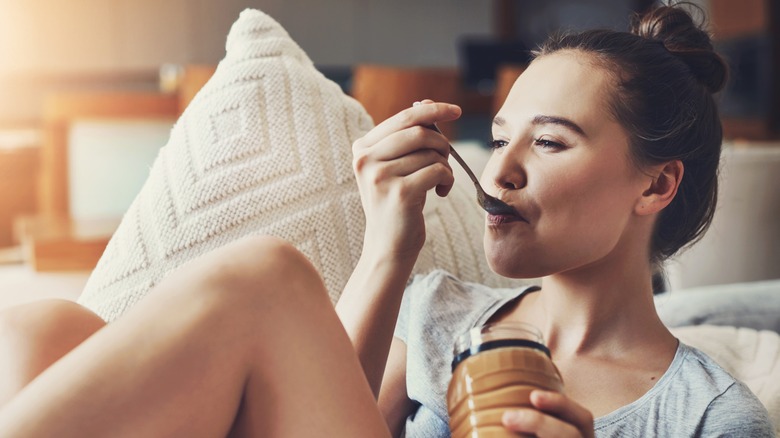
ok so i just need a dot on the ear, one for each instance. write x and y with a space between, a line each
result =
663 187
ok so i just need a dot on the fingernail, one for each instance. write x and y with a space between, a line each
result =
417 103
511 416
540 395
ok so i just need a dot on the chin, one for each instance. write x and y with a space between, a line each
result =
508 263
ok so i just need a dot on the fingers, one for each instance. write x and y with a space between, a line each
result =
419 171
554 415
562 407
401 143
411 163
415 115
437 175
533 422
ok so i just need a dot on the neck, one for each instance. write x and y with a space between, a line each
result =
604 308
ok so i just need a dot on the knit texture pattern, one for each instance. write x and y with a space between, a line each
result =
265 148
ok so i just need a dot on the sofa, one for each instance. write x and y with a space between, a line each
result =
265 148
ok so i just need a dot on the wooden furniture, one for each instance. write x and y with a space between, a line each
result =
505 78
60 243
53 239
193 79
61 110
18 167
751 24
385 90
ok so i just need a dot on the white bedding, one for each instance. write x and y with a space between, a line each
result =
751 356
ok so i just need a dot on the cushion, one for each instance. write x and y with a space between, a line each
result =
753 305
265 148
751 356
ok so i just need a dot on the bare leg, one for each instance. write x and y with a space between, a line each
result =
242 341
33 336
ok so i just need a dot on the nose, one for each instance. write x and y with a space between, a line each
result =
508 171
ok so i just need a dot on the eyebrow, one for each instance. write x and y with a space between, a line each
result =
544 120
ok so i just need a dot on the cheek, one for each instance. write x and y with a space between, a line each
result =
576 199
590 208
590 190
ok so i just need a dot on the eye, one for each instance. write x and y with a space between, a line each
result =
550 144
497 144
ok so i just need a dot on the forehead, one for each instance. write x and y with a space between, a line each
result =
566 84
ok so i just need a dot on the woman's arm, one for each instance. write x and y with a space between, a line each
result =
394 403
396 164
368 309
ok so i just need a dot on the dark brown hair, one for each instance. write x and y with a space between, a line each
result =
666 72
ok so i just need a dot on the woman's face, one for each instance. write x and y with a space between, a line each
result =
563 162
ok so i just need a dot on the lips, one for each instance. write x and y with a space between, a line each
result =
500 219
507 217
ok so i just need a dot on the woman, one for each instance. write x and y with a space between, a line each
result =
607 147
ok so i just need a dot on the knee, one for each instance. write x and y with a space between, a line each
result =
270 251
263 258
261 268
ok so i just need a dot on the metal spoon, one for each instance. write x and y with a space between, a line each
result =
489 203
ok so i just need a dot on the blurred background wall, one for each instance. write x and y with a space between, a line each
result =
50 45
53 45
83 108
98 44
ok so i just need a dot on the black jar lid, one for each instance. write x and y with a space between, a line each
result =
498 343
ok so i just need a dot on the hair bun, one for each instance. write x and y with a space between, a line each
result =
675 29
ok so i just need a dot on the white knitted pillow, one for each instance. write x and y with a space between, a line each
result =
265 148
